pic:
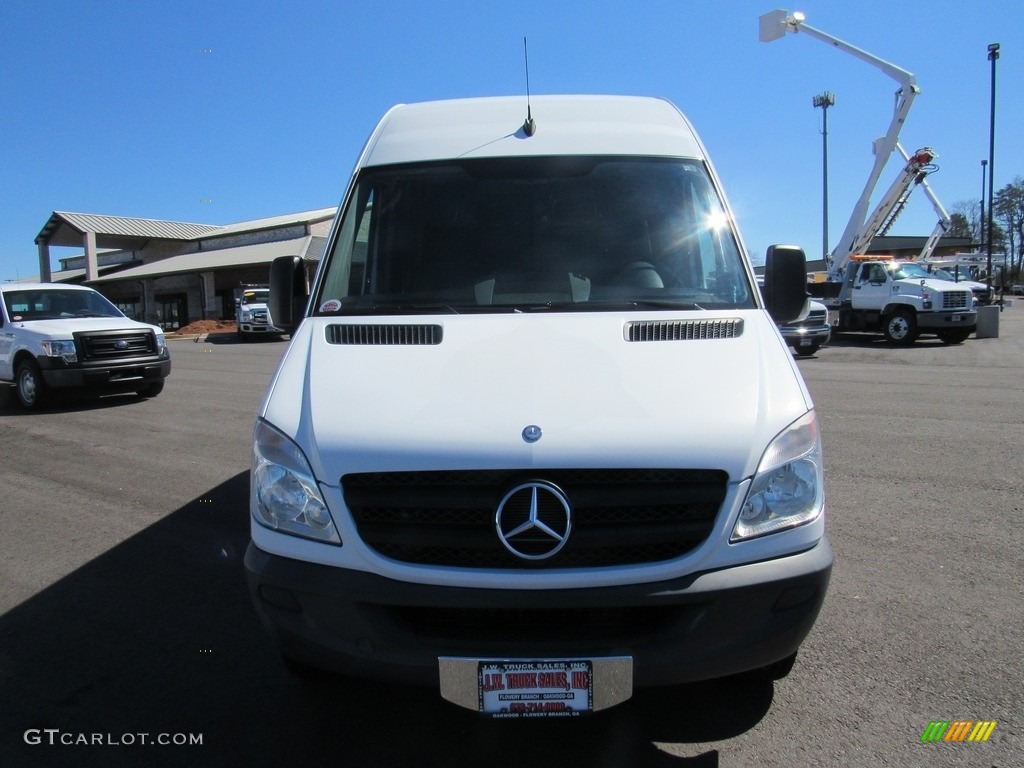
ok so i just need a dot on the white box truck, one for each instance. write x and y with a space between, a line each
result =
537 439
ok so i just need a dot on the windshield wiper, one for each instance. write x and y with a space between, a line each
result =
400 309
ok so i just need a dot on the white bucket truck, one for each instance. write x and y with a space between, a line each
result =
536 439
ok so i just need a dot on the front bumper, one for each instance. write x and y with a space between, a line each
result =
798 336
696 627
257 328
965 318
122 375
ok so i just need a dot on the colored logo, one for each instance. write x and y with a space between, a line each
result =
958 730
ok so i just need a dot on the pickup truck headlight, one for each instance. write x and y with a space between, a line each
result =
246 316
284 494
64 349
788 489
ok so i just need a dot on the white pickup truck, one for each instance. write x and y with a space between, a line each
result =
69 337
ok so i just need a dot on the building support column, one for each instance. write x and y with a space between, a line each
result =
44 262
149 307
210 309
91 268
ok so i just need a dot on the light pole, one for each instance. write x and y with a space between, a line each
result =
993 54
981 221
824 100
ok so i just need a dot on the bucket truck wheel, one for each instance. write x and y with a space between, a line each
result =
901 327
954 337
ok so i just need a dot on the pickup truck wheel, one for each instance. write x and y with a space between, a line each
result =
953 337
31 388
901 327
807 351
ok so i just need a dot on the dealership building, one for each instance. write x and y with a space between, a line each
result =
172 273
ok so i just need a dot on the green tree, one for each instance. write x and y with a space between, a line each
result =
965 217
959 226
1008 208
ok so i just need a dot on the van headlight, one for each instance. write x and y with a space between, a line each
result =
788 489
283 492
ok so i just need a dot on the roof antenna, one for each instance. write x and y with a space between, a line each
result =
529 127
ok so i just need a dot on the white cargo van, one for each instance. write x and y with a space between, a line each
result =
536 439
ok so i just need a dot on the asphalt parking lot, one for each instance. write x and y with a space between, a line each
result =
124 613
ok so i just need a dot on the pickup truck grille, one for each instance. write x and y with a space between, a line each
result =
619 516
114 345
956 299
816 318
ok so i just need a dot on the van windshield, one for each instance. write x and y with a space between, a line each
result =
534 234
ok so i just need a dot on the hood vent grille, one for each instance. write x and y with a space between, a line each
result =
684 330
384 335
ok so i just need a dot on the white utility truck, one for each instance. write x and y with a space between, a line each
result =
902 300
872 293
536 439
57 337
251 313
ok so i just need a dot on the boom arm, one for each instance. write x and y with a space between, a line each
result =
776 24
891 205
944 221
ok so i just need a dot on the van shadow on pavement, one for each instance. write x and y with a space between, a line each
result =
158 636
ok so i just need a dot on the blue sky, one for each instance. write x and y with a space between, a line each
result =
222 111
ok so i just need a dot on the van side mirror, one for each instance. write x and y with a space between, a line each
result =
287 292
785 282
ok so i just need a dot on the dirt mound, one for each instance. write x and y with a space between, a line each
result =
209 326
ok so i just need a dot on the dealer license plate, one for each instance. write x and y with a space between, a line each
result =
956 318
517 689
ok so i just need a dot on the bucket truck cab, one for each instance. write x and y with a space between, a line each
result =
902 300
536 439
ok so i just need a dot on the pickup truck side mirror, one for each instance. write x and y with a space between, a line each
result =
287 292
785 283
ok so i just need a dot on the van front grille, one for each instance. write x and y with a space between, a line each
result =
619 516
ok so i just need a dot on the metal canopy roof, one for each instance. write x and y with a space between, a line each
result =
66 228
225 258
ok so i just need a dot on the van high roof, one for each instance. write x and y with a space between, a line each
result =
565 125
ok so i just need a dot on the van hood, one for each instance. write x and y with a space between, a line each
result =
597 399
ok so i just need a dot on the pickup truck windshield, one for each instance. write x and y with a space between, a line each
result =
534 234
51 303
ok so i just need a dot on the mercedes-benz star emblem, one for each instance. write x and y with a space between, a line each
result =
534 520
